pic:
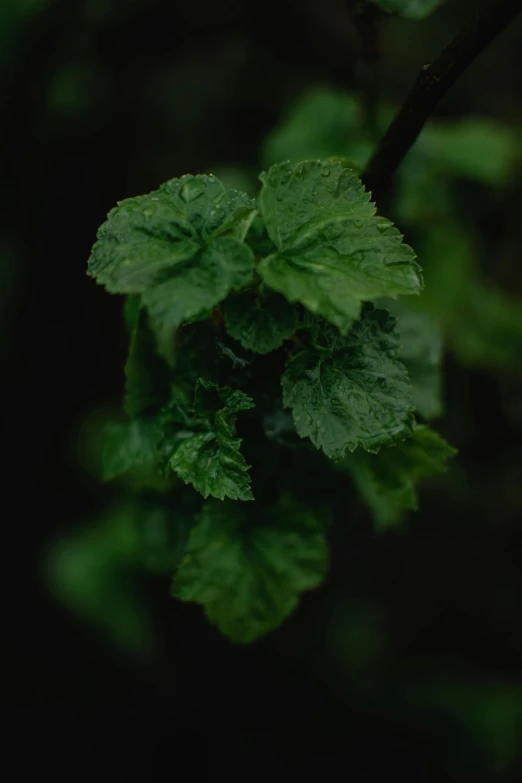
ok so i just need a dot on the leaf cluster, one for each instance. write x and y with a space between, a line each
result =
258 356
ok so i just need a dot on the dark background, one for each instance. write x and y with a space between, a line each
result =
104 100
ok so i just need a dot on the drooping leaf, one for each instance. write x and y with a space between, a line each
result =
413 9
205 451
387 480
353 391
129 444
180 247
260 322
248 568
333 250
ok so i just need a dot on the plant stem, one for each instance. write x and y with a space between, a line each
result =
432 84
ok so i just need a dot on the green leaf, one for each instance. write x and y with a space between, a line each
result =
333 250
129 444
481 324
421 354
261 322
180 247
248 568
449 257
387 480
352 391
488 332
206 451
321 123
223 266
147 376
413 9
476 148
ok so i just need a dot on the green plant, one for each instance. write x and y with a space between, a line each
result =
257 356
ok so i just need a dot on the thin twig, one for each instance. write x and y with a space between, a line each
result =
432 84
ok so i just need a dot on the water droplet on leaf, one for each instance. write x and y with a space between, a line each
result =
192 190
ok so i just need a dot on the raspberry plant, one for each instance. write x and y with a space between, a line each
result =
267 387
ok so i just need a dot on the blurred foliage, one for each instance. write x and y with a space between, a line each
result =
325 122
93 571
